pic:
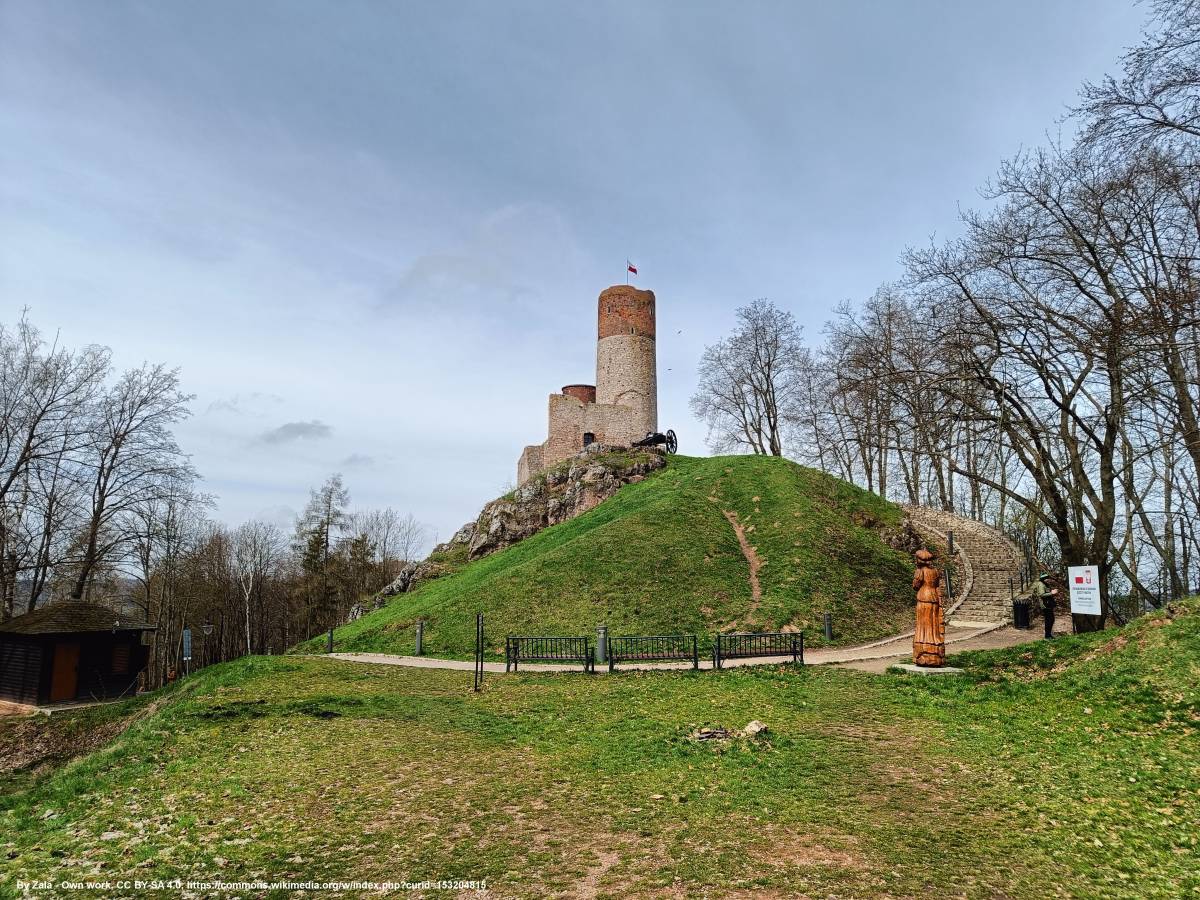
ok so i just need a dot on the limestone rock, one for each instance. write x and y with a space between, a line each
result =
561 494
905 538
464 534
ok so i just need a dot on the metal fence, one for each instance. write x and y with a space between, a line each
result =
748 646
519 649
646 648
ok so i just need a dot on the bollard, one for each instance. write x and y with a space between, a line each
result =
329 642
602 644
829 626
420 636
479 652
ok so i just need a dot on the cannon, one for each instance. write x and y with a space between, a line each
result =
658 439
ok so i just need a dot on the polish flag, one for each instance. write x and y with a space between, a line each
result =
631 267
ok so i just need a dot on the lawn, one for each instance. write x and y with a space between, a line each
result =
1064 770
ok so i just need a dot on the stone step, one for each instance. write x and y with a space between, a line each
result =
974 623
989 561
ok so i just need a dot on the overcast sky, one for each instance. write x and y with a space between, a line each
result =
371 234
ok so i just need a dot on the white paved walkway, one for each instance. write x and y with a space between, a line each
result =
873 657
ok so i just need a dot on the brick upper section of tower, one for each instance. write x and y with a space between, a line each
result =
623 309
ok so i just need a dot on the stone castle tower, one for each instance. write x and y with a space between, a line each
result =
622 406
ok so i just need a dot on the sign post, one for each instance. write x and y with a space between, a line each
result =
1085 590
187 650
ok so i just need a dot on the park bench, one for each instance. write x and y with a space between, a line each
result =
519 649
643 648
763 643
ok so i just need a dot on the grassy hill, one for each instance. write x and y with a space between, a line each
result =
1151 667
1064 769
662 557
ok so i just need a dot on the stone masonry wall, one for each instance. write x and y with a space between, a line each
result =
625 376
622 406
530 463
570 419
625 357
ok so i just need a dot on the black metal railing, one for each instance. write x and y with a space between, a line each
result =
767 643
519 649
644 648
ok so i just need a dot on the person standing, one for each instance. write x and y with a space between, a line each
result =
1048 596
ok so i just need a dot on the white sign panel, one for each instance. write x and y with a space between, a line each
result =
1085 590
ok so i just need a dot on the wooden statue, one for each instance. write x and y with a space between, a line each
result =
929 640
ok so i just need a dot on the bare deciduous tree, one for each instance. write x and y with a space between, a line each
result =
750 382
132 459
258 549
1157 95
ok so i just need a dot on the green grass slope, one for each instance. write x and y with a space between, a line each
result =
660 557
1151 666
1059 769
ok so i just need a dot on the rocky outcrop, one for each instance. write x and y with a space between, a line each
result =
557 495
903 538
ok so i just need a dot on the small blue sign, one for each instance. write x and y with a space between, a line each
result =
187 645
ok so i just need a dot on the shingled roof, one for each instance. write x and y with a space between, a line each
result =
71 618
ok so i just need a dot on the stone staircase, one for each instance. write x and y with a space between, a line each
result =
986 561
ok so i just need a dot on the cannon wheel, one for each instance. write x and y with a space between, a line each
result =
672 443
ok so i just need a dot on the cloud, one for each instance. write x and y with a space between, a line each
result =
297 431
241 404
358 461
281 515
496 267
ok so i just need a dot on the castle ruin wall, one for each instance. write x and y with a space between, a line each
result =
622 406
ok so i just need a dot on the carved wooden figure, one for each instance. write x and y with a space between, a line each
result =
929 640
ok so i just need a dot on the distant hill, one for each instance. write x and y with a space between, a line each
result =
664 556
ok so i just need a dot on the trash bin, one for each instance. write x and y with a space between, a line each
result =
1021 613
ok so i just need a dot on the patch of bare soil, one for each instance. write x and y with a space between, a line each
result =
588 887
781 847
38 742
752 558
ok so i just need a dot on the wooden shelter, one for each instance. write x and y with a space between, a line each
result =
70 651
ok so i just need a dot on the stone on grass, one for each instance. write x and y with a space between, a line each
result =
910 669
710 734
